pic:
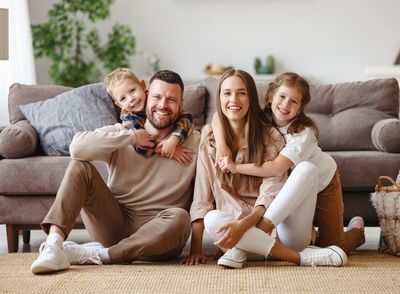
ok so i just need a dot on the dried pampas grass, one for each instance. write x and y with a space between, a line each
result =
386 201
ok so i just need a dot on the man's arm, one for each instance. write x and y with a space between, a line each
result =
101 143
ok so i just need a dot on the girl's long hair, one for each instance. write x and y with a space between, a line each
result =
255 132
291 79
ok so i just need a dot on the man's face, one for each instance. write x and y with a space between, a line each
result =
164 103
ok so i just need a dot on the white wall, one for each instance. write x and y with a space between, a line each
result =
327 40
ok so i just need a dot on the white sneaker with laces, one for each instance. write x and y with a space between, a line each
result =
51 258
233 258
329 256
82 253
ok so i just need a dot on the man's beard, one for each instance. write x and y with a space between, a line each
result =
161 125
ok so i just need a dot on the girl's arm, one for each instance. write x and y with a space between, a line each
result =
222 149
196 257
274 168
234 231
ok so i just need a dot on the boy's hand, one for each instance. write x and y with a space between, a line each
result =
168 146
222 150
183 155
143 139
226 164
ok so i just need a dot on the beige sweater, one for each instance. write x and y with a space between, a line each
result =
138 183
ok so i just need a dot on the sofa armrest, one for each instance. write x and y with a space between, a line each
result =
18 140
385 135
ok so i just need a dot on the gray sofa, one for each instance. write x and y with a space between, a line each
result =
358 121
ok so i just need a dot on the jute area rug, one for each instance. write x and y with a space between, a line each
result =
366 272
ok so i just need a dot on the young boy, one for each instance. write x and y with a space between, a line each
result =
129 93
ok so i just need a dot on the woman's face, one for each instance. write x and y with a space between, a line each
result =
234 99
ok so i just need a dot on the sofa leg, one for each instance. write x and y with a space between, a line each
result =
12 238
26 236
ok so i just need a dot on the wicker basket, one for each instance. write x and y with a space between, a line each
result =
386 200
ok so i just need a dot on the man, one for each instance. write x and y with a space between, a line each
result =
141 214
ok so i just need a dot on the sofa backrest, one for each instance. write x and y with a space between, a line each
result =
345 112
20 94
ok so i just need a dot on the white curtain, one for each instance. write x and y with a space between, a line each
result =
22 60
21 64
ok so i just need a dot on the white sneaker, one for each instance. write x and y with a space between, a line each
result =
233 258
329 256
51 258
82 253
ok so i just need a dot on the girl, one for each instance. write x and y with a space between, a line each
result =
241 200
286 98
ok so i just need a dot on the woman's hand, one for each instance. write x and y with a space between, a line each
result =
233 233
266 225
194 259
226 164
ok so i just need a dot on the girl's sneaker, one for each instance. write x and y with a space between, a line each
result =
233 258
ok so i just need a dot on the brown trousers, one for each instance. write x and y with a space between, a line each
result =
130 235
329 215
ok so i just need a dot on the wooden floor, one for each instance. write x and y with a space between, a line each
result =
80 236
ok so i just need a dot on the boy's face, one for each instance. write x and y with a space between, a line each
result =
130 95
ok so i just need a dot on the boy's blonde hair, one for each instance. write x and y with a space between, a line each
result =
117 77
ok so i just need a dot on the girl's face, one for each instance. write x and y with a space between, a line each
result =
285 105
234 99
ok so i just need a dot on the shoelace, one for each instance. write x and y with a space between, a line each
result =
43 246
320 258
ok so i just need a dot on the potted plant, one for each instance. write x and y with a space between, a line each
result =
75 51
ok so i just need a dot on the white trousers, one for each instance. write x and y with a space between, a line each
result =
292 213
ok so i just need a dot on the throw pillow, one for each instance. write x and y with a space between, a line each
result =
18 140
194 99
56 120
385 135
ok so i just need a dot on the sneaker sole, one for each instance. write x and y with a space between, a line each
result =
341 253
230 263
41 269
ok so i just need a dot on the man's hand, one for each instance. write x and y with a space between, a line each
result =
183 155
167 147
233 233
143 139
226 164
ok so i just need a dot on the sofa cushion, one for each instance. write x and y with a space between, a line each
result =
18 140
194 103
346 112
385 135
360 169
36 175
23 94
57 120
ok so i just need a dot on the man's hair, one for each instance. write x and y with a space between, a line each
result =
168 76
117 77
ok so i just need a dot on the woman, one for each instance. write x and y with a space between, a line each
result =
245 204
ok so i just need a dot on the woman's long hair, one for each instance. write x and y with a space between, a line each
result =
291 79
255 132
